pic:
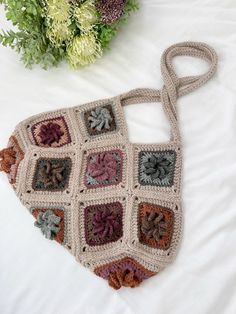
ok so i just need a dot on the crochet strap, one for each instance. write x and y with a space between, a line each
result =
174 86
140 95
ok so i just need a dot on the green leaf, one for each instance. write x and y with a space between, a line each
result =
30 39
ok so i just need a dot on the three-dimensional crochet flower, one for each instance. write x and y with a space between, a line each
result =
51 174
7 159
104 167
154 225
50 133
48 222
100 118
125 278
110 10
157 167
105 223
83 50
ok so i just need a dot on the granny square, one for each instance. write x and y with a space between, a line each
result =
156 225
52 132
100 120
52 174
157 168
103 223
104 169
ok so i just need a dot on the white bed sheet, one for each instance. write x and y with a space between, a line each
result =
38 276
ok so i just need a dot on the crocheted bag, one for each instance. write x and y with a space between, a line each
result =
115 205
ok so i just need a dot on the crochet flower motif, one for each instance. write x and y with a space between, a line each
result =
48 222
157 168
125 278
50 133
7 159
110 10
125 272
105 223
51 174
104 167
100 118
154 225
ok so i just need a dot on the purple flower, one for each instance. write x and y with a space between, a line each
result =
110 10
50 133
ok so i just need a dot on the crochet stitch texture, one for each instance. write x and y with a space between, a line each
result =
115 205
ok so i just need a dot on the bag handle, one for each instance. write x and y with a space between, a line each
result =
174 86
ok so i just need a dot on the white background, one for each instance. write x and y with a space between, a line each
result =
40 277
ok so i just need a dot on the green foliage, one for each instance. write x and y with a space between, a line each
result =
30 38
107 32
33 47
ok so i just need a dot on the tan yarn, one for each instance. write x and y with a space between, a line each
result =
118 204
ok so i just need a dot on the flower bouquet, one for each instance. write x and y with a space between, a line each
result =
49 31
